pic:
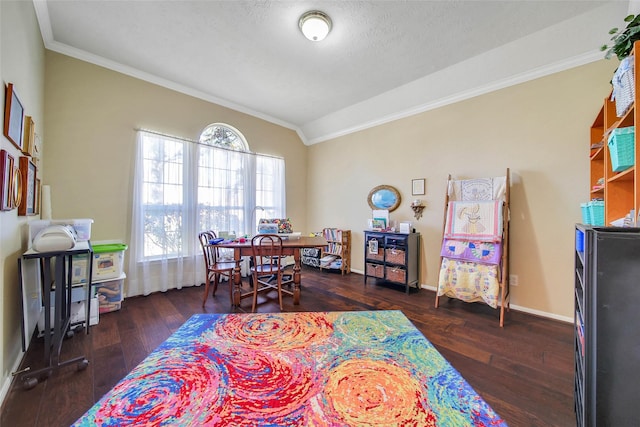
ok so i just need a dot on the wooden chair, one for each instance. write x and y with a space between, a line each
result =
267 269
283 226
215 268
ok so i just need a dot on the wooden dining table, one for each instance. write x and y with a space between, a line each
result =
290 246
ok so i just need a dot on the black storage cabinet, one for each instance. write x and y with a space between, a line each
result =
397 260
607 325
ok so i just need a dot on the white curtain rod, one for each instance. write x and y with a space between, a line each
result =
206 145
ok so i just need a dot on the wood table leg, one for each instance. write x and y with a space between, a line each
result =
237 278
296 277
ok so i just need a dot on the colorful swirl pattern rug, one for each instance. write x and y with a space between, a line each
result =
370 368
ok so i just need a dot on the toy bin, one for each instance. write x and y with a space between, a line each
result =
110 294
108 261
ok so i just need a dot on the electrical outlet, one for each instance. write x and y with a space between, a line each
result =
513 280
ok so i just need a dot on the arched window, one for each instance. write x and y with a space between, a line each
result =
225 136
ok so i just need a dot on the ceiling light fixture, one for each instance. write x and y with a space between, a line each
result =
315 25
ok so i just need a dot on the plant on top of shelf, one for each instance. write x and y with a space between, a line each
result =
622 40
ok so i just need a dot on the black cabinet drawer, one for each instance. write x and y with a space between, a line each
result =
396 242
373 236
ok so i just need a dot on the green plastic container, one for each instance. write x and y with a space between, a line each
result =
108 261
110 247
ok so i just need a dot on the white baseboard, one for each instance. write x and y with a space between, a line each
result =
6 384
523 309
513 306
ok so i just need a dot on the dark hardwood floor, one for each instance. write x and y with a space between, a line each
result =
524 370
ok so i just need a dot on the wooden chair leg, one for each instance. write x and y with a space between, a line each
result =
206 292
255 293
216 279
437 298
280 290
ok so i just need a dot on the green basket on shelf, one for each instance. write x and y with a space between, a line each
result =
621 144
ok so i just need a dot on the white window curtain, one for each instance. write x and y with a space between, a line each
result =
181 188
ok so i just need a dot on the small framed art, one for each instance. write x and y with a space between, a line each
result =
13 117
417 187
6 169
28 178
29 137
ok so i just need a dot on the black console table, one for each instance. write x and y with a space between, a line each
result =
56 278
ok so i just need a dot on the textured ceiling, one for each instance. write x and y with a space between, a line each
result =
251 56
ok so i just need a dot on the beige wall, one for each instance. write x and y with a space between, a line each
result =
539 129
21 63
92 114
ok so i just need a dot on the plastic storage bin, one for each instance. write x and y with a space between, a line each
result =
593 212
596 212
83 228
110 294
586 213
108 261
621 148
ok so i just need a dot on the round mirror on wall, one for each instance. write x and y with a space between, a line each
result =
384 197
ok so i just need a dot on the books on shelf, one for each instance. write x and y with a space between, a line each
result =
335 242
336 254
332 234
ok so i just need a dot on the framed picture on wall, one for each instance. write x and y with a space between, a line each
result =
28 178
29 136
13 117
417 187
6 171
